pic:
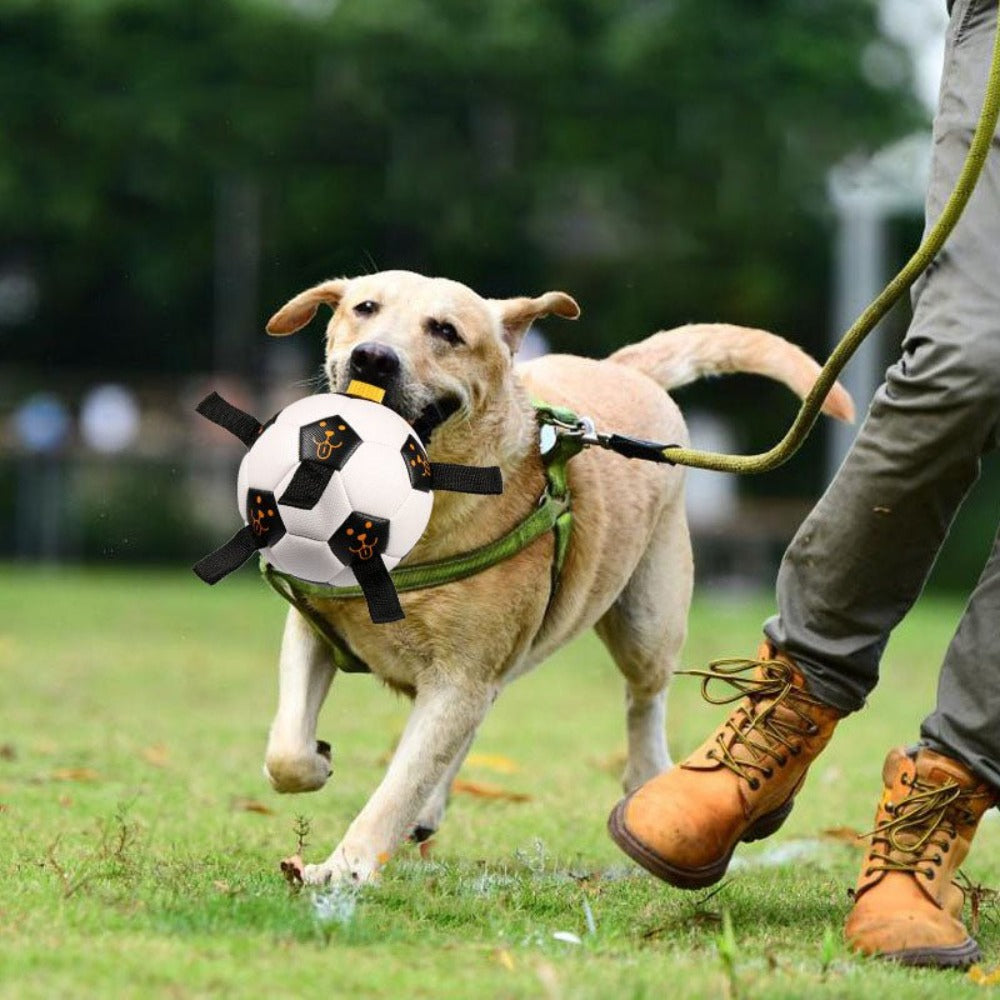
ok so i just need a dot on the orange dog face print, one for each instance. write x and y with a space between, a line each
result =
263 518
360 538
330 441
417 465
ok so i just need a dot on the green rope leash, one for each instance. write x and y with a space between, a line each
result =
914 267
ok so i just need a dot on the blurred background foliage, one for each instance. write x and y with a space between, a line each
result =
663 161
171 171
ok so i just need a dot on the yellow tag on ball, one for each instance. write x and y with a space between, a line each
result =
365 390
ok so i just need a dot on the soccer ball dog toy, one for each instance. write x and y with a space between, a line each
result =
335 489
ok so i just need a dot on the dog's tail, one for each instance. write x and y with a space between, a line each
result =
675 357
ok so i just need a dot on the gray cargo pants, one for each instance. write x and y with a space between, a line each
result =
861 558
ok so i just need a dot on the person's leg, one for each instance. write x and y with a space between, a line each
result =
966 721
861 558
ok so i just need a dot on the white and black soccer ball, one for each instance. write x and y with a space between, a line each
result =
334 490
334 481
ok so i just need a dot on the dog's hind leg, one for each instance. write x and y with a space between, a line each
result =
430 816
295 761
644 631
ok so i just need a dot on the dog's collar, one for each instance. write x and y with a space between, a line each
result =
560 441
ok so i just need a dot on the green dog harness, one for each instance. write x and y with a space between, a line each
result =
562 435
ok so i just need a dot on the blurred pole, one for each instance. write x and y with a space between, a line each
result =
860 271
39 510
237 273
866 194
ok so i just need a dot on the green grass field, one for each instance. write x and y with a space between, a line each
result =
139 842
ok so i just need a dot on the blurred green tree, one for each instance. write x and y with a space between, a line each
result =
663 160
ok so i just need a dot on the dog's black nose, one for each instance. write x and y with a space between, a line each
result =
374 362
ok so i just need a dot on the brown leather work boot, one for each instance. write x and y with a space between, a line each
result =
906 907
739 785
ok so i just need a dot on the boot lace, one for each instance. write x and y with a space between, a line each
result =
927 818
764 736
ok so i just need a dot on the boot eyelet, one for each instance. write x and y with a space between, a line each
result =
782 761
813 729
754 783
769 773
903 780
796 750
928 873
937 859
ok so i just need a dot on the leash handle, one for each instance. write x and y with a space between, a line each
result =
865 323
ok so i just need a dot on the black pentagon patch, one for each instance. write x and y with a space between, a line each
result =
330 441
417 465
307 485
360 538
263 518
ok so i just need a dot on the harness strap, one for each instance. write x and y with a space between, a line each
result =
436 574
343 657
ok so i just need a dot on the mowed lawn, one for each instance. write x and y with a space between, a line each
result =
139 842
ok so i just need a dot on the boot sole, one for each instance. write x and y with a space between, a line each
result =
689 878
957 956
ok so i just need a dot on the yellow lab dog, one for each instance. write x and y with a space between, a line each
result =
627 574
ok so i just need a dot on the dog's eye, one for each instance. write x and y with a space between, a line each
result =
444 331
366 308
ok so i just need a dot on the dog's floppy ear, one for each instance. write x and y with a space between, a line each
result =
295 313
516 315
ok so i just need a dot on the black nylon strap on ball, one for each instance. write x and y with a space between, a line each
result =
484 480
379 591
432 416
307 485
229 417
227 557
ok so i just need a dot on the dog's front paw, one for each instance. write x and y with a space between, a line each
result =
345 866
303 772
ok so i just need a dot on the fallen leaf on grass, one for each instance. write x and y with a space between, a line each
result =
493 762
8 751
158 755
484 790
252 806
74 774
503 957
65 801
3 807
425 849
845 834
981 977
